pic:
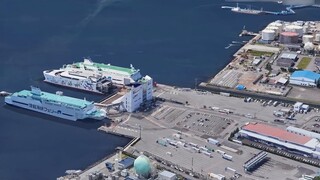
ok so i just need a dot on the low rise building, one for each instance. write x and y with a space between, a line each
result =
166 175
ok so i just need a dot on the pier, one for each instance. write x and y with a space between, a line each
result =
288 10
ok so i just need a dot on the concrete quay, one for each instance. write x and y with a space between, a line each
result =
195 121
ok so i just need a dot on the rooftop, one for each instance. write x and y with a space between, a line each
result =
305 74
167 174
56 98
286 55
276 133
105 67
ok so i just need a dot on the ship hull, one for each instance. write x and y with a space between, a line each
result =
71 87
47 108
38 107
70 83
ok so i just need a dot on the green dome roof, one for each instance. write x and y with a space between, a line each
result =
142 166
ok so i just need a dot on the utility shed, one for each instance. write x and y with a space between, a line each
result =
166 175
126 163
282 81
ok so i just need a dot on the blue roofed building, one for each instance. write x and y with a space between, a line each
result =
305 78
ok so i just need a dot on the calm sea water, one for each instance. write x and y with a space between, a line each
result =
174 41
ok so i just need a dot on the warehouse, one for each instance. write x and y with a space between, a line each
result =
281 138
304 78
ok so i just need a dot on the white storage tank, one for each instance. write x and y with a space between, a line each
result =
268 35
307 38
277 24
305 28
274 28
317 37
308 46
294 28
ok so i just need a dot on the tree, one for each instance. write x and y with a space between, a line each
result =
268 67
316 178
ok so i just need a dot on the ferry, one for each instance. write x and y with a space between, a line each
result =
56 105
93 77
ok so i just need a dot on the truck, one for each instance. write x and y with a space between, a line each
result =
217 176
206 153
227 157
213 141
193 144
220 152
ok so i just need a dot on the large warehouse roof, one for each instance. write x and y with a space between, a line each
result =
276 133
303 132
305 74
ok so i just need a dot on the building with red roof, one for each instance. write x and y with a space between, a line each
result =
286 140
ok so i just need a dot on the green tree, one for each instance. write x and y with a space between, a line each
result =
316 178
268 67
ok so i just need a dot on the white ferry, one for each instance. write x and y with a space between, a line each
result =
90 76
55 104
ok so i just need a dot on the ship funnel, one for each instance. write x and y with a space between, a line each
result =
35 91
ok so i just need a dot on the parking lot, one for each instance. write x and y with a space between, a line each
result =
313 124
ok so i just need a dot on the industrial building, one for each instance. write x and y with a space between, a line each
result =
304 78
166 175
287 59
282 139
285 62
136 94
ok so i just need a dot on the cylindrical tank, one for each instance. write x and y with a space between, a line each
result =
268 35
308 46
307 38
277 24
274 28
289 37
305 28
294 28
317 37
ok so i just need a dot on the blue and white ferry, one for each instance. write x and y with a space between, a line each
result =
55 104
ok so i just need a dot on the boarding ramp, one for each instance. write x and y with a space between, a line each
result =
107 107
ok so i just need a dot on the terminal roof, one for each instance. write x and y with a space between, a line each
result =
276 133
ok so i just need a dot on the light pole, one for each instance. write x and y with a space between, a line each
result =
192 164
140 131
195 83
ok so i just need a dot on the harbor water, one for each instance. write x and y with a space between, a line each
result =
177 42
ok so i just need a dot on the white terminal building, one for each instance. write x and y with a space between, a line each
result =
98 78
292 139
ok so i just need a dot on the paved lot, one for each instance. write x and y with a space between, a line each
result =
242 111
275 168
304 93
168 119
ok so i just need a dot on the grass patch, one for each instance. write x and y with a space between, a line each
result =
304 63
260 53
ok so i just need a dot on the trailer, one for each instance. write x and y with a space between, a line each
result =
213 141
217 176
227 157
193 144
220 152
